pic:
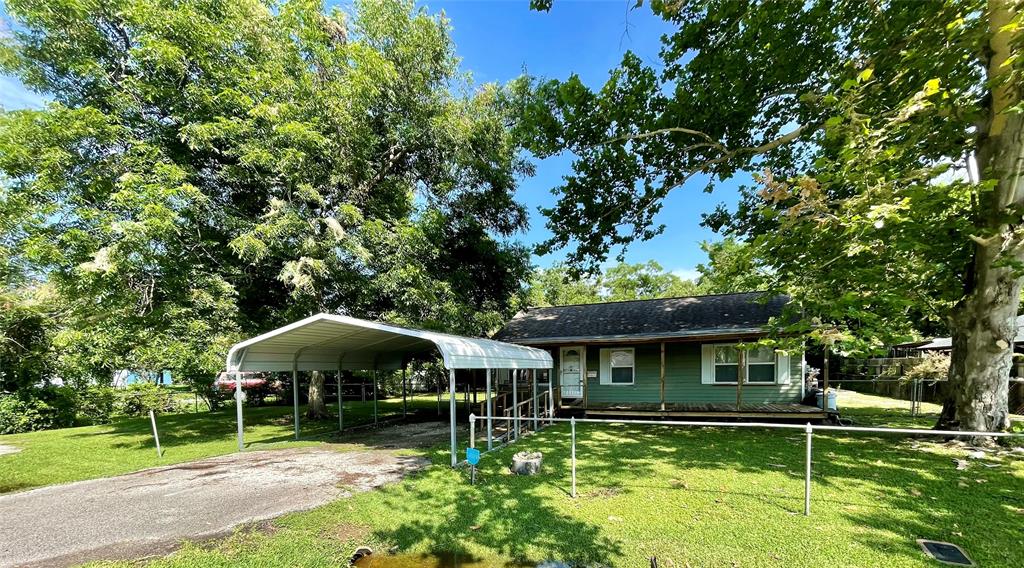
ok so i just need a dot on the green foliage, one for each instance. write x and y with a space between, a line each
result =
36 409
95 404
556 286
139 398
25 334
209 170
933 367
643 281
733 266
855 123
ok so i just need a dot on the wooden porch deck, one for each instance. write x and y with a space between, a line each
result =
705 410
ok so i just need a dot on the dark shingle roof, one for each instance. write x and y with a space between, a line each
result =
670 317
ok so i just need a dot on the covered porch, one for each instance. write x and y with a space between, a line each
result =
778 410
327 342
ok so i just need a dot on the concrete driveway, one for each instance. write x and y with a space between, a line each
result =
151 511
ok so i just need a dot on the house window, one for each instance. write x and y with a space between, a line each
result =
760 365
622 366
727 364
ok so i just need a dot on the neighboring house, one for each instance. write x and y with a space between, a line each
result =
126 377
666 357
945 344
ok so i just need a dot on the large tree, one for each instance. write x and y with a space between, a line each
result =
212 169
857 119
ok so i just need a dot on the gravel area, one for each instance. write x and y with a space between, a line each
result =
150 512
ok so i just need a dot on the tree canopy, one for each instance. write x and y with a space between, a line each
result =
213 169
729 269
858 125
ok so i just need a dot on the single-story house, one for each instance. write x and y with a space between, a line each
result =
667 357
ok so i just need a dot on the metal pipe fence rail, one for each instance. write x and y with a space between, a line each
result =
807 428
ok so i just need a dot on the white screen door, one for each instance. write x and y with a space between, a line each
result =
572 372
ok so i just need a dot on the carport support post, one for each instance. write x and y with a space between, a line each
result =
533 401
238 410
490 412
405 405
341 402
374 396
451 414
515 401
295 393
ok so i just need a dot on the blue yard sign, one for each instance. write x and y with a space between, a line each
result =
472 456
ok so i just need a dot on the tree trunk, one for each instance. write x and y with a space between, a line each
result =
984 326
984 322
317 408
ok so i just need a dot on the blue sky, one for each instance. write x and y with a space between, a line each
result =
497 40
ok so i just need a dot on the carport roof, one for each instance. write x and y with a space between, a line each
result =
326 342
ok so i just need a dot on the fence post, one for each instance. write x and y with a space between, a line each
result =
807 473
472 430
572 422
152 420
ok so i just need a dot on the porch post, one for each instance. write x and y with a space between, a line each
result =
515 401
375 395
451 414
490 412
405 404
824 377
741 376
662 375
556 380
583 377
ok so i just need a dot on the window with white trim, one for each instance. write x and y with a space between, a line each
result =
760 365
622 363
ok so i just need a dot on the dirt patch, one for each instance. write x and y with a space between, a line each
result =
603 493
348 532
416 435
8 449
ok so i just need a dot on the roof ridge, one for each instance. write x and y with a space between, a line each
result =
650 299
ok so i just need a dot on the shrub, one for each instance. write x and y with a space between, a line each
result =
96 404
36 409
138 399
932 367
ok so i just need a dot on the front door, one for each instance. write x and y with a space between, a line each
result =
571 376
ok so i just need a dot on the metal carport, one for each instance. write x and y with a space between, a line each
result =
327 342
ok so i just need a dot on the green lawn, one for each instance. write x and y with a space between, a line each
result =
697 497
72 454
